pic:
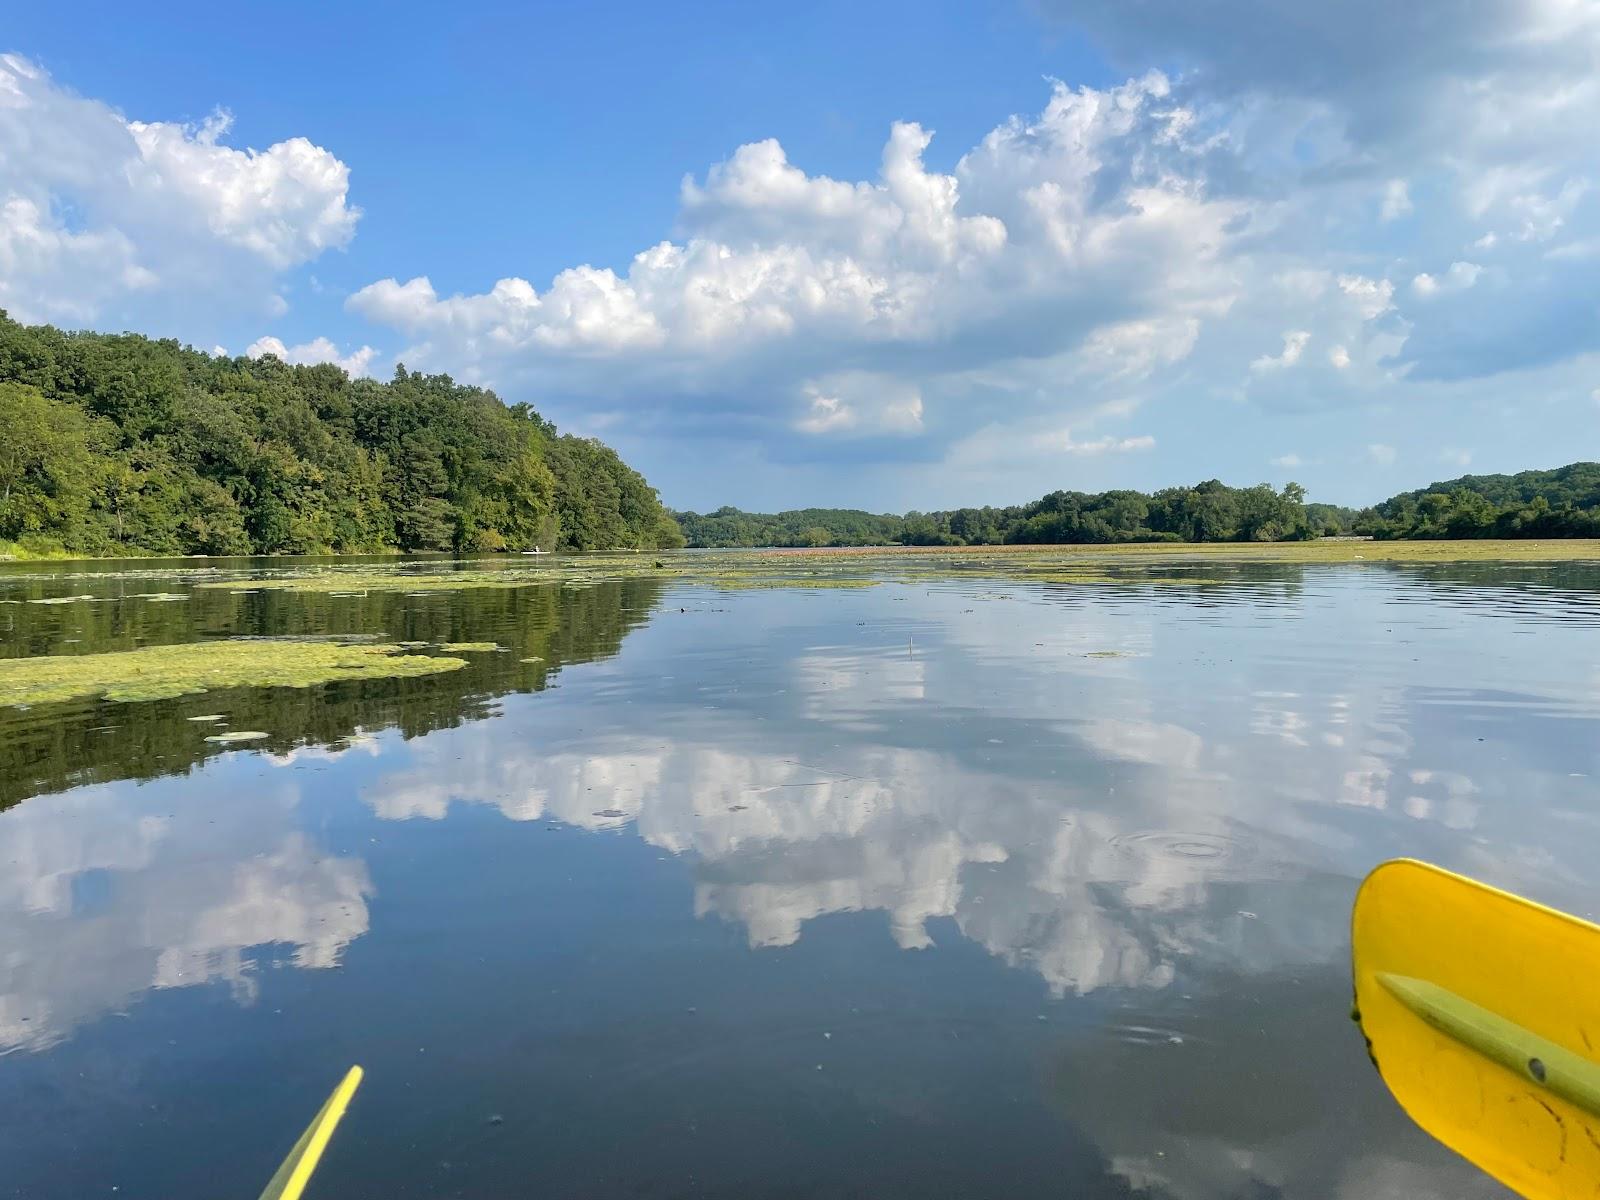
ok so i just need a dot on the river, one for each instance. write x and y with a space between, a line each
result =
948 886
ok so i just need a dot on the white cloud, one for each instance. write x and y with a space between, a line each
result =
98 211
1455 456
1228 233
1288 460
318 350
1381 454
941 285
1064 443
1294 344
1459 277
1396 200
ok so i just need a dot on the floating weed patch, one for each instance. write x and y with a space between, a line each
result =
747 580
238 735
161 672
469 647
62 600
532 658
357 583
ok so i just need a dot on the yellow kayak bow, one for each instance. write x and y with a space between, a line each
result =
1481 1011
291 1178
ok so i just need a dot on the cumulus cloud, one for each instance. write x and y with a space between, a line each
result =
1229 230
1294 344
97 210
318 350
1077 242
1459 277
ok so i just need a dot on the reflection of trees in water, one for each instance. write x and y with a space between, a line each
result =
53 747
1567 592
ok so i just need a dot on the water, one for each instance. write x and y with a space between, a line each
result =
956 888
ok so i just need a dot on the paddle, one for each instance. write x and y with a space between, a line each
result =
291 1178
1481 1011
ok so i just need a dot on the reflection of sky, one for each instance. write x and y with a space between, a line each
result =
1163 808
108 892
1072 811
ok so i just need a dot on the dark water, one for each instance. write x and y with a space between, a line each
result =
955 889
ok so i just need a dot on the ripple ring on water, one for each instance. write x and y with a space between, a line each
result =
1199 847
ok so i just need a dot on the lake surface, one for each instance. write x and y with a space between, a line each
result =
952 887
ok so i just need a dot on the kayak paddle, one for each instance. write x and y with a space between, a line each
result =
291 1178
1481 1011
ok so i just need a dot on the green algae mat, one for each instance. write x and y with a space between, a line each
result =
161 672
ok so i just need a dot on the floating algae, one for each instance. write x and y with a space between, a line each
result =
469 647
532 658
238 735
161 672
61 599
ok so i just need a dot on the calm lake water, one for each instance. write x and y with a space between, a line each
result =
954 888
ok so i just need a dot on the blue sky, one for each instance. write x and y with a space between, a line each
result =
888 255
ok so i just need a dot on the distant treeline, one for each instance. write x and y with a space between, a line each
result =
1207 512
122 444
1561 503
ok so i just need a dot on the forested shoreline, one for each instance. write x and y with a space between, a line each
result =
1559 503
121 444
115 444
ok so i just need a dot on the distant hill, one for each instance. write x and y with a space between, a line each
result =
121 444
1563 502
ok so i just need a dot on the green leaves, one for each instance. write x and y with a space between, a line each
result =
126 445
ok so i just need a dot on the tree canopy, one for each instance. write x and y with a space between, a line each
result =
124 444
1564 502
1208 512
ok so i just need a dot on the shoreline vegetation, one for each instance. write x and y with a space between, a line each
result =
117 446
121 445
1559 503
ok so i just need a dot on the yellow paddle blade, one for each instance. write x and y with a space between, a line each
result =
291 1178
1482 1013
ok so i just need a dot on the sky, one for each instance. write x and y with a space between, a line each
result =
886 255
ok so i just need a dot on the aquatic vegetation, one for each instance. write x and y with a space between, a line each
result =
161 672
238 735
469 647
1166 565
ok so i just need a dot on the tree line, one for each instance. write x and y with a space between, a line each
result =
124 444
1560 503
1207 512
1564 502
